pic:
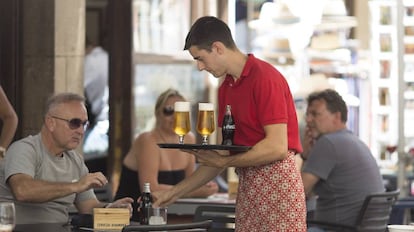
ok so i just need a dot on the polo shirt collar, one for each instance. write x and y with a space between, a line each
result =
245 73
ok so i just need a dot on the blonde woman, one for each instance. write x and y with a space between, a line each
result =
162 168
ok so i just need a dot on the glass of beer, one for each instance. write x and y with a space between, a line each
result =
181 119
7 216
205 120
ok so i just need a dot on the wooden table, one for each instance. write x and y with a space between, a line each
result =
55 227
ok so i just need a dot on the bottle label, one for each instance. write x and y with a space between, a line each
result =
229 127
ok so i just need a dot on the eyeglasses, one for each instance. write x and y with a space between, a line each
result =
74 123
168 110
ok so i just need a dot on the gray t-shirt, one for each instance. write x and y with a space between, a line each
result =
29 156
347 171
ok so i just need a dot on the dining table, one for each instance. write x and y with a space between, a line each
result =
49 227
58 227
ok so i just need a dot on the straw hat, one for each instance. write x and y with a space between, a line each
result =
273 14
335 16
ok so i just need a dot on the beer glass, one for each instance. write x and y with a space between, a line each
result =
205 120
181 119
7 216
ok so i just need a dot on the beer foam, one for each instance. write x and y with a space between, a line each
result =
205 106
180 106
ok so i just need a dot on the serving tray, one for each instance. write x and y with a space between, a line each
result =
204 147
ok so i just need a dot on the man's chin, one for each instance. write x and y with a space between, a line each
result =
73 145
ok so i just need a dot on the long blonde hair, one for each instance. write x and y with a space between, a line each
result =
164 97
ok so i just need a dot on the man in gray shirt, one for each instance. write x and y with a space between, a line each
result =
339 167
44 175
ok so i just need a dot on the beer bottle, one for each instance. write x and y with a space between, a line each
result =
228 127
146 203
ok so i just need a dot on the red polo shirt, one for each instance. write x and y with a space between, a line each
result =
260 97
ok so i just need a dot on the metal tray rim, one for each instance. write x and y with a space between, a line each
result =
204 147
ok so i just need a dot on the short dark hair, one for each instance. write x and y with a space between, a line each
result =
207 30
334 102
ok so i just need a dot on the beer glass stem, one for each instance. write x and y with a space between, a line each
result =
205 140
181 139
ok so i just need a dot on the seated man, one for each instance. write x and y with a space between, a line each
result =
44 175
339 168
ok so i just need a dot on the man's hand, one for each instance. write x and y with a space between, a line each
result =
91 180
125 202
210 188
163 198
205 190
210 158
308 140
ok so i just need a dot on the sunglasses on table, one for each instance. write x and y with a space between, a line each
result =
74 123
168 110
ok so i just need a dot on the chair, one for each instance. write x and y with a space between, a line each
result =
373 215
223 217
182 227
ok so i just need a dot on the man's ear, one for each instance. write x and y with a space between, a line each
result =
218 47
49 122
338 116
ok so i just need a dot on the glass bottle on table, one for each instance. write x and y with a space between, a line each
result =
228 127
205 121
145 205
181 119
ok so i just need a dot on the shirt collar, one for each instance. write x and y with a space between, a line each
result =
245 72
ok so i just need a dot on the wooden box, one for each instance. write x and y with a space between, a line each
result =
110 218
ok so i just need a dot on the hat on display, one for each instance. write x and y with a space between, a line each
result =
273 14
335 16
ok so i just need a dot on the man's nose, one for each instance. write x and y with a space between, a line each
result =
200 66
308 117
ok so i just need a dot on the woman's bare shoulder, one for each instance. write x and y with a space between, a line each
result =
145 139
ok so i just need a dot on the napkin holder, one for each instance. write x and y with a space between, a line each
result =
110 218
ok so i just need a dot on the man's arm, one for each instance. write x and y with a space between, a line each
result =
26 189
273 147
86 206
200 177
309 181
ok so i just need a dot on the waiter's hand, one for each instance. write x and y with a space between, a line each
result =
212 158
163 198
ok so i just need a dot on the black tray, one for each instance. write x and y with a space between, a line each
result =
205 147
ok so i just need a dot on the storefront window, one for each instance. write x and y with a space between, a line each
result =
160 26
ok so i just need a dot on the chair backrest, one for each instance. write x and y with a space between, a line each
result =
223 217
201 226
375 211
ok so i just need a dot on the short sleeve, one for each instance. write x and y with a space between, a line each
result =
321 159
